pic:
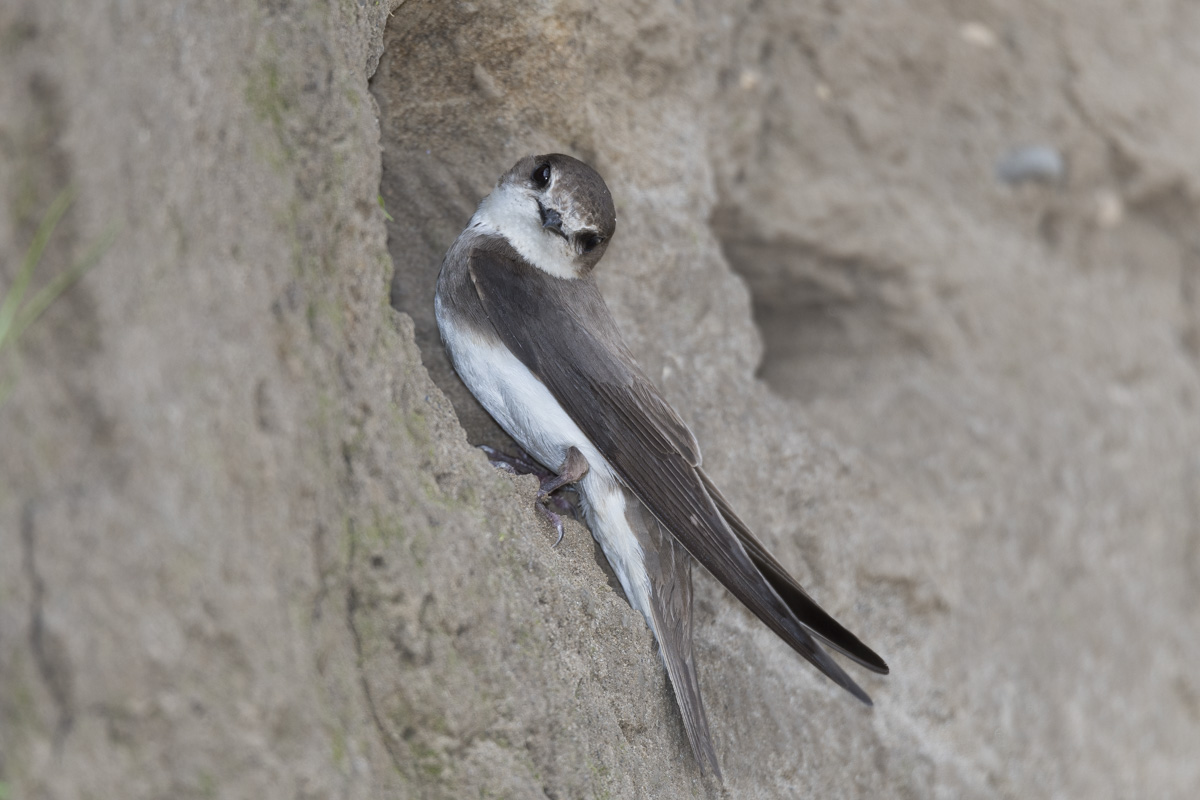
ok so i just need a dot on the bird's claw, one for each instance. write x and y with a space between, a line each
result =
555 520
521 463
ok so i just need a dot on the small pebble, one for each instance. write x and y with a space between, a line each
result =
486 83
978 34
1110 208
1032 163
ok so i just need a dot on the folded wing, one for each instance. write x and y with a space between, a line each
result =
562 331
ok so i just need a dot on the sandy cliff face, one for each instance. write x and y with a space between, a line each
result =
247 549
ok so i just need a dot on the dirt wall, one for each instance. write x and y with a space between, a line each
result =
248 550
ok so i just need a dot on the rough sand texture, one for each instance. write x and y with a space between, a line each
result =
247 549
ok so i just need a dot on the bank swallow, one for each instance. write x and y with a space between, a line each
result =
532 338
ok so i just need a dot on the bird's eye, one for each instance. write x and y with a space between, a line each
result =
589 242
541 176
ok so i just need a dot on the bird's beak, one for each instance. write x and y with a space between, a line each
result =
551 219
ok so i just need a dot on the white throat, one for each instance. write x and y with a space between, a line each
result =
512 214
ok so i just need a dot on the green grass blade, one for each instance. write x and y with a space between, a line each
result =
16 292
29 312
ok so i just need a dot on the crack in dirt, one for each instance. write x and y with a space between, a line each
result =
351 607
51 666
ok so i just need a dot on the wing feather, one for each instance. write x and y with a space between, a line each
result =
811 615
562 331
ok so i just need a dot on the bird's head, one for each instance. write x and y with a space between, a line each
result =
556 211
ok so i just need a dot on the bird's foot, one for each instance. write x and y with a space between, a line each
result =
573 468
520 463
550 501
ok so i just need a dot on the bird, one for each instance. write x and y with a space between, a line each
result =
529 333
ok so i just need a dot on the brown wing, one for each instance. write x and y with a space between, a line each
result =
815 618
562 331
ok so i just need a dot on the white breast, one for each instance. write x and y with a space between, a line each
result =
526 410
513 214
516 399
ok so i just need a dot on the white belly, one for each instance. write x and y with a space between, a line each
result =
526 410
515 398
